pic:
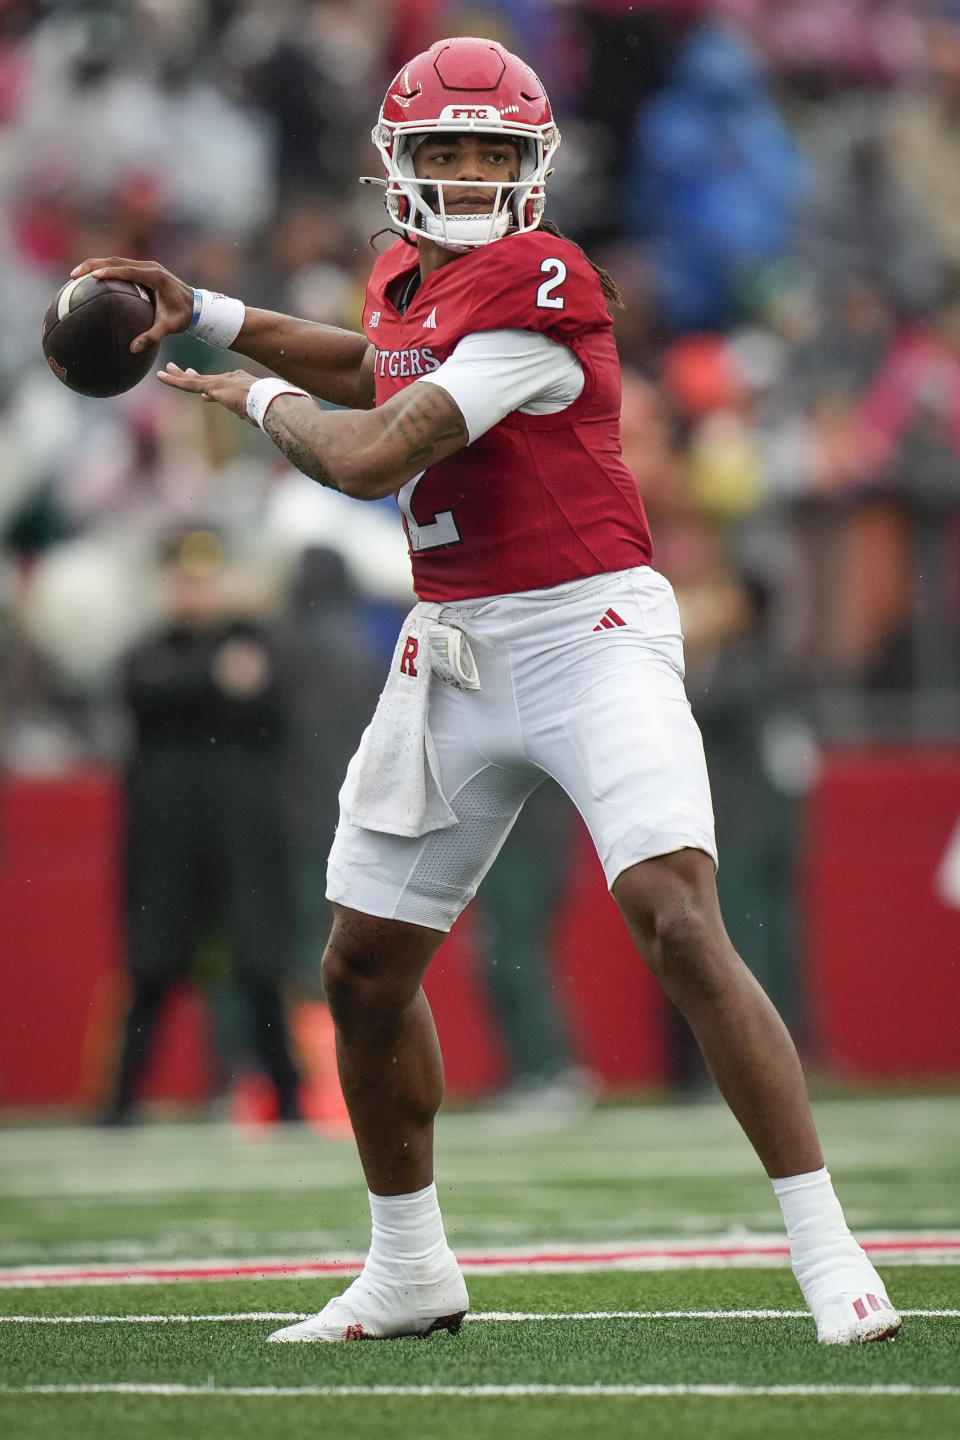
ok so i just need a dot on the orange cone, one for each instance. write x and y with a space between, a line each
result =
321 1096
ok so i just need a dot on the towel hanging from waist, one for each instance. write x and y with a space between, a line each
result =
393 781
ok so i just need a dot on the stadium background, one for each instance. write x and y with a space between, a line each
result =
775 189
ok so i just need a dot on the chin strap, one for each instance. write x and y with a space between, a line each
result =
465 232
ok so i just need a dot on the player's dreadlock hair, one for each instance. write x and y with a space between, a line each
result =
607 283
394 235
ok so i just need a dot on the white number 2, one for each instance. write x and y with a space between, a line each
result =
441 531
546 300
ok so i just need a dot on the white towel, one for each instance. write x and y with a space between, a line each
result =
393 781
451 658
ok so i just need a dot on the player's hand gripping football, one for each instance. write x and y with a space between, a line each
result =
229 389
174 299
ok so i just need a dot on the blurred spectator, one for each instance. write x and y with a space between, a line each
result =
924 132
844 351
750 733
715 177
912 406
306 269
516 907
331 676
911 413
312 69
638 326
650 439
866 42
130 75
857 217
206 846
625 55
735 684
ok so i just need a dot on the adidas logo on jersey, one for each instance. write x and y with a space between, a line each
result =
609 621
431 321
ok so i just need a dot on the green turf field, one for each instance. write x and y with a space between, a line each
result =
638 1353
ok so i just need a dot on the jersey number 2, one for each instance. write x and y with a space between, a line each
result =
546 300
442 530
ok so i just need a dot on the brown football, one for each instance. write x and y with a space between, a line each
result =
87 332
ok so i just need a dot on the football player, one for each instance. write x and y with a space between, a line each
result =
485 395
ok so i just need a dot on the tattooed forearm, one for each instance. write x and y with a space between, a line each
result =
299 432
429 421
368 453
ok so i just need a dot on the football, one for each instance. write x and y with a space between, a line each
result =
87 332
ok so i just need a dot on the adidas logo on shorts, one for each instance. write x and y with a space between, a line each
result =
610 620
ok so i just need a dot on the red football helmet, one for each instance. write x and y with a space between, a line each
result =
465 85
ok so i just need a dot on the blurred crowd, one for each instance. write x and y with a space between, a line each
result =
774 187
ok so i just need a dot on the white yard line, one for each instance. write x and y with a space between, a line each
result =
483 1392
500 1316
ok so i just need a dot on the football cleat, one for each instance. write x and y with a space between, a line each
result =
846 1296
375 1307
852 1318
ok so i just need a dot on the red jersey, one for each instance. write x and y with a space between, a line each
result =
538 499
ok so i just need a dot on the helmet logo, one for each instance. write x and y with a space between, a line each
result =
487 113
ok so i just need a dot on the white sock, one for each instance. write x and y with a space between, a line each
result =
407 1231
811 1211
824 1255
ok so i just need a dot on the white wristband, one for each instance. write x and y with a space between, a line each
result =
262 394
217 319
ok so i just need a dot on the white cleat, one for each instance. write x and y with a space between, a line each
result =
382 1308
853 1318
847 1298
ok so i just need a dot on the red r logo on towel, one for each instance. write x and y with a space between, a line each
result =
410 650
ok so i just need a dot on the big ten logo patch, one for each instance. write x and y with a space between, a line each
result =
411 650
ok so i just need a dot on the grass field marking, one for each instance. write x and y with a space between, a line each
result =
153 1319
480 1392
519 1315
499 1316
902 1248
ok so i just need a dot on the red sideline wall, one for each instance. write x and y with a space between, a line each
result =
881 949
880 954
61 976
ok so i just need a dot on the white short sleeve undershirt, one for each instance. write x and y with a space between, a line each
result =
494 372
